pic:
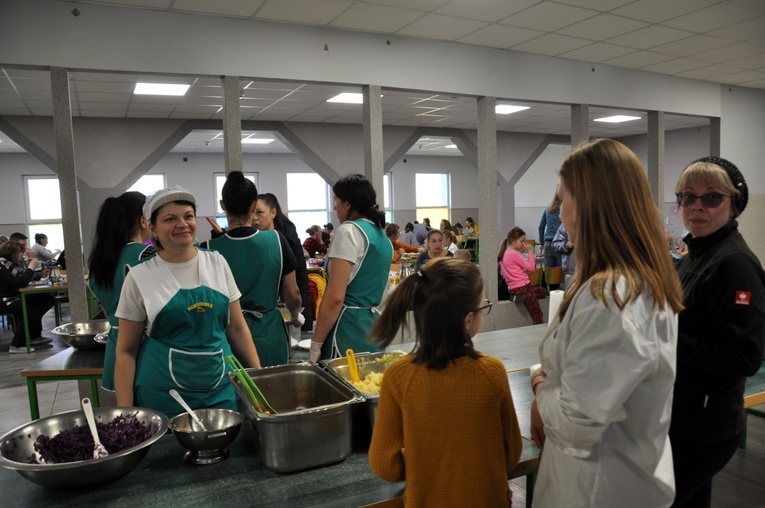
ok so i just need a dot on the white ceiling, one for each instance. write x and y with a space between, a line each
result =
720 41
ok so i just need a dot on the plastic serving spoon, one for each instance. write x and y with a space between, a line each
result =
177 396
99 450
353 369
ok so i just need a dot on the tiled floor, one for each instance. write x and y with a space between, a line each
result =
54 397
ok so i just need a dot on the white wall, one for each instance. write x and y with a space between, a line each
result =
13 168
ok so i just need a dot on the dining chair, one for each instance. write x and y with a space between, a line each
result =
7 321
553 277
536 276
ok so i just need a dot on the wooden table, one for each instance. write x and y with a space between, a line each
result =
69 364
61 289
754 394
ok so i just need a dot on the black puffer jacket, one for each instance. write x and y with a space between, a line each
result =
721 334
13 277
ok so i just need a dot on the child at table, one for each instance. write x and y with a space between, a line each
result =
514 268
446 422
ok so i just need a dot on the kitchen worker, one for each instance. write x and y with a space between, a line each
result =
119 243
264 268
187 303
358 266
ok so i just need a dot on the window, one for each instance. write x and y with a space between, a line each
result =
432 197
307 200
44 210
220 179
149 184
387 198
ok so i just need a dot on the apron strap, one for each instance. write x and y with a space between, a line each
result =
257 314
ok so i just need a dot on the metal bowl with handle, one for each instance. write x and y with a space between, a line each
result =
85 335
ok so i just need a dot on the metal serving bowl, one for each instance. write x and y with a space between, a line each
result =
86 335
209 447
17 446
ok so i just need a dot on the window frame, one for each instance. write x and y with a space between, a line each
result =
327 204
447 207
216 198
164 183
52 221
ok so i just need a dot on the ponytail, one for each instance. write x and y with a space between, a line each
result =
502 249
376 216
361 195
441 337
118 220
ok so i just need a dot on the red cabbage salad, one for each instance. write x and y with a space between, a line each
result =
75 444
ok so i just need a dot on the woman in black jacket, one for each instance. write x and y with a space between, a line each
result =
269 215
14 276
721 331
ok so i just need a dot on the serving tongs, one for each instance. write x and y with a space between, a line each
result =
353 368
256 396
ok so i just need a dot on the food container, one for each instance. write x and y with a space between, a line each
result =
312 426
367 363
17 445
206 446
86 335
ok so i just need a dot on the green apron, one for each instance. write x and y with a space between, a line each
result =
363 295
186 347
256 262
109 298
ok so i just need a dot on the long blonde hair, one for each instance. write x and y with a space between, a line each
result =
618 232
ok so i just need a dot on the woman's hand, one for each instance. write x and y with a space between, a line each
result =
216 227
315 351
33 264
537 378
537 425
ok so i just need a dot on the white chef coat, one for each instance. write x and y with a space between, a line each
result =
606 404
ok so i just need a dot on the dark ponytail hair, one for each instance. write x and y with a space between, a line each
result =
280 222
39 237
118 220
439 317
359 192
238 194
512 236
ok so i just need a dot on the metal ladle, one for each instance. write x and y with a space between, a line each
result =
177 396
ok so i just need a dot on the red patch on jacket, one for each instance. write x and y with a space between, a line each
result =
743 297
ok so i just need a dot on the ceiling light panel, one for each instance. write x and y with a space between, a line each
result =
348 98
174 89
617 119
506 109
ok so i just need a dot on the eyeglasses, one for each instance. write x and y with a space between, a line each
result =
486 309
710 199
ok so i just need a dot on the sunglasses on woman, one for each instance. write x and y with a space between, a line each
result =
710 199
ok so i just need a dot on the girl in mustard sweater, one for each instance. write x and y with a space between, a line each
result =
445 422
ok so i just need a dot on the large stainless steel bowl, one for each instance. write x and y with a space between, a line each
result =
207 447
84 335
17 446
